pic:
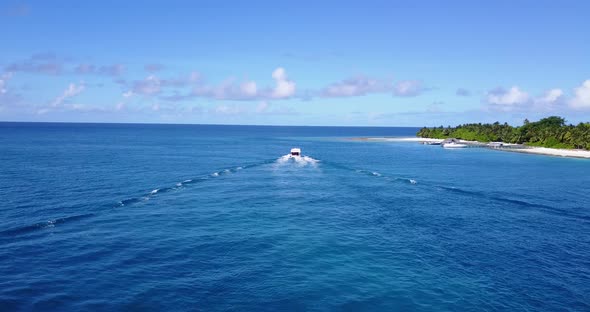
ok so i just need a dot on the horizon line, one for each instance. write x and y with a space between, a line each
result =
193 124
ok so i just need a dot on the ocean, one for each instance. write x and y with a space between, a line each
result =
131 217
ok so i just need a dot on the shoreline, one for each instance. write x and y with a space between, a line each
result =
558 152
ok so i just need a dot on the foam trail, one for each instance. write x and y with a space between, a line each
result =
44 225
371 173
521 203
300 161
186 182
125 202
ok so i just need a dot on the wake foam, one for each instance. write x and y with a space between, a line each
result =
158 191
127 202
459 191
300 161
380 175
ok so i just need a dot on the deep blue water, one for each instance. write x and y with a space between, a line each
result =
182 217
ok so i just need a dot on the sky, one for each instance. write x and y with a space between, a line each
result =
333 63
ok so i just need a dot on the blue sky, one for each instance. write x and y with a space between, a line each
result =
367 63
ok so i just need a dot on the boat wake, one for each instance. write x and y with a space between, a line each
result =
179 185
380 175
300 161
43 225
286 160
22 230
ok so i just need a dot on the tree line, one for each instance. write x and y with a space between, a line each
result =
547 132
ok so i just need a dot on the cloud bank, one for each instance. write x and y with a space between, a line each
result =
71 91
581 98
3 80
362 85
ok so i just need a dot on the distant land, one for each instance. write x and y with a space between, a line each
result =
551 132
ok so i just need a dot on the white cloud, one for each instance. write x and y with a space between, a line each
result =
581 98
361 85
262 107
357 86
511 97
230 89
149 86
154 67
248 88
227 110
71 91
551 96
284 87
3 80
227 90
85 69
37 66
551 100
112 70
108 70
279 74
408 88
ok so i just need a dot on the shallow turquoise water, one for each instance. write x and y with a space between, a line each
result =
164 217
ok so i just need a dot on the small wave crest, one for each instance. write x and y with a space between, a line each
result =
43 225
372 173
517 202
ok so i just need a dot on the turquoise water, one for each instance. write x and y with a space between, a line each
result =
209 218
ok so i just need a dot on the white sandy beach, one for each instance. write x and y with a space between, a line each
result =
399 139
552 152
529 149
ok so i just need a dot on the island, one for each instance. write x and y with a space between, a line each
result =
548 136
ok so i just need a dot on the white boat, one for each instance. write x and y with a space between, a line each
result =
295 152
454 145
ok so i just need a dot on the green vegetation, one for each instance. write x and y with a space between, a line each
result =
547 132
